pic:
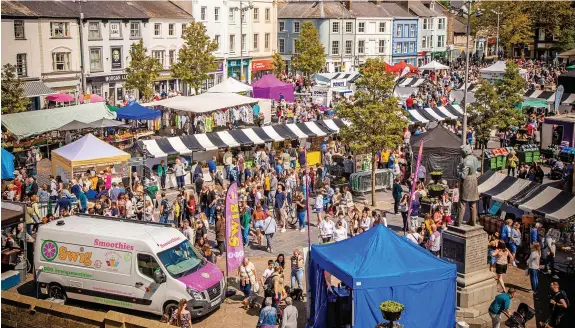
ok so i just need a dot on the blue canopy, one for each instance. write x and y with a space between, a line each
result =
7 165
135 111
380 265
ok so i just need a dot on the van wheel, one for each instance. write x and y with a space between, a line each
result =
57 292
169 309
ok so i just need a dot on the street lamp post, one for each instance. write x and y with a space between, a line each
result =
498 13
242 9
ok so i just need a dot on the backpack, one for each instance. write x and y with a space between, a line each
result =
269 285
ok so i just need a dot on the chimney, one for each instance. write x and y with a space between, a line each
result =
348 4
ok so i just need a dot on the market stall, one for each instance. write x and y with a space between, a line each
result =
441 151
496 71
269 87
558 130
7 165
85 153
230 85
376 266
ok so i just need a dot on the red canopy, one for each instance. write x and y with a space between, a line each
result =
400 66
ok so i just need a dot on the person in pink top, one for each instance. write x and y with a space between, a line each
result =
108 179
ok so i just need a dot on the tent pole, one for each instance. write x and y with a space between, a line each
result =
352 309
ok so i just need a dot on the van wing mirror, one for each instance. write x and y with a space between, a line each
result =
159 276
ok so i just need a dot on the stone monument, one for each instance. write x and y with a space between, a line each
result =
465 245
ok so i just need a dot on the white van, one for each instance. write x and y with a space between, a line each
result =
133 264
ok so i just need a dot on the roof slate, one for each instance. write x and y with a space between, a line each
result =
313 10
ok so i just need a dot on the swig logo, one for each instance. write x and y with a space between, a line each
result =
50 251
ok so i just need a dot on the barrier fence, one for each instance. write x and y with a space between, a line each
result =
361 181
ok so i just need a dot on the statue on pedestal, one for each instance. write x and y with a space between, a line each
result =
468 190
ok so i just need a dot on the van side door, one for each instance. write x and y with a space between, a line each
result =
150 295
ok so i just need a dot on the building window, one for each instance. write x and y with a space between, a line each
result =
172 57
171 29
157 29
256 41
427 24
21 65
296 27
281 46
217 14
398 32
232 43
335 27
217 40
441 24
115 30
405 47
59 30
267 41
61 61
348 47
94 31
203 13
256 14
361 46
96 89
441 41
96 59
397 48
381 27
348 27
282 26
135 30
19 30
381 46
267 15
243 42
361 27
159 56
335 47
541 34
337 67
294 50
184 25
412 31
412 47
231 16
424 42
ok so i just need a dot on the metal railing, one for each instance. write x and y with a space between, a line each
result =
361 181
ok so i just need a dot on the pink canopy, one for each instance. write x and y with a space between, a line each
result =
269 87
93 99
60 97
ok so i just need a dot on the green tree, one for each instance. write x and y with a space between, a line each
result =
195 58
142 71
309 54
279 65
13 99
556 17
376 119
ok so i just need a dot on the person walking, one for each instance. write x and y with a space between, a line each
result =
559 303
269 230
182 317
397 191
268 315
180 173
501 254
512 161
247 273
515 242
164 209
297 265
415 210
162 172
501 304
290 314
533 266
301 210
280 205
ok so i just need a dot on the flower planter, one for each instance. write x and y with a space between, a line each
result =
436 176
391 316
435 191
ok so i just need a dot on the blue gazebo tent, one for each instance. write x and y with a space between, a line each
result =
7 165
379 265
135 111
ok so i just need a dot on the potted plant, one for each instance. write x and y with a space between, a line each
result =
436 175
391 310
435 190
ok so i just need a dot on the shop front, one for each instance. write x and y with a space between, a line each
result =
438 55
423 57
261 67
166 85
234 70
110 87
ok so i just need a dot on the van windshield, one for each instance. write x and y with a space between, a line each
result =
181 259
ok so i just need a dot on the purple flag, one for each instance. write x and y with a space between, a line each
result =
415 178
234 243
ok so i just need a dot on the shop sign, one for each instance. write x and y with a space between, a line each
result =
262 65
116 57
421 54
236 62
338 83
319 95
107 78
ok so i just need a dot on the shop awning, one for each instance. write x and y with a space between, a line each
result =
228 139
285 132
241 137
192 143
451 108
216 140
501 187
435 116
297 131
179 146
205 142
416 117
412 82
330 124
552 203
152 148
316 128
257 138
36 89
446 113
166 146
271 132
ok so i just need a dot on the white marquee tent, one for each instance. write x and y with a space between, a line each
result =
230 85
433 66
204 103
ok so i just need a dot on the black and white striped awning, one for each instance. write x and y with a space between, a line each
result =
412 82
549 96
235 138
436 114
470 87
552 203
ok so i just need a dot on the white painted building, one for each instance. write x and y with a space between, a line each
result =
373 32
264 37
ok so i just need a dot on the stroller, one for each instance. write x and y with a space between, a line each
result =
523 314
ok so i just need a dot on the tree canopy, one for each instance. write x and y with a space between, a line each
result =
195 57
279 65
13 98
309 54
142 71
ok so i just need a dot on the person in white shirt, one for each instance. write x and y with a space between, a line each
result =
269 231
365 221
188 231
267 272
340 233
318 206
341 219
326 228
434 241
414 237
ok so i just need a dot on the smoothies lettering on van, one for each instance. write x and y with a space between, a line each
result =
133 264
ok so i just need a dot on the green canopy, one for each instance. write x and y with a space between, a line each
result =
112 108
534 103
570 68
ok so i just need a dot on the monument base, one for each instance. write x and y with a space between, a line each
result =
466 246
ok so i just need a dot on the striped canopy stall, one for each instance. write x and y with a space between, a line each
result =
412 82
446 113
550 202
433 115
549 96
416 117
187 144
470 87
501 187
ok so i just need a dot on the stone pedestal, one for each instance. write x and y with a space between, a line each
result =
466 246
